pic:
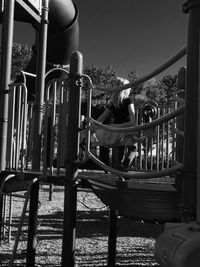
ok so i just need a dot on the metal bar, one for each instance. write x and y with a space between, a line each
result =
148 76
61 121
30 135
32 225
10 133
146 153
4 219
198 148
192 116
17 126
112 237
151 154
72 152
174 136
167 141
24 126
52 126
29 10
141 127
40 85
46 128
137 174
163 142
158 144
5 73
89 107
10 218
52 135
22 220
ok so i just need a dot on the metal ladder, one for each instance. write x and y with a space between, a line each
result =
11 186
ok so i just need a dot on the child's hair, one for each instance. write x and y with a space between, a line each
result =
119 96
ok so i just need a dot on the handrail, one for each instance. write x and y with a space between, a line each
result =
137 174
145 126
148 76
25 73
177 131
56 69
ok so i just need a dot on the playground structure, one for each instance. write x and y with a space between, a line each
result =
22 157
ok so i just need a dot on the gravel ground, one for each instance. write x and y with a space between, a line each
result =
135 242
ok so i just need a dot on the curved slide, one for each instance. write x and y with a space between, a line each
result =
62 39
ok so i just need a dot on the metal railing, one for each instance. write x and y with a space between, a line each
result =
157 151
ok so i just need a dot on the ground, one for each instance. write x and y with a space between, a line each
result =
135 242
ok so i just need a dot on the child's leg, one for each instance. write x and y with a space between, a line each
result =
130 155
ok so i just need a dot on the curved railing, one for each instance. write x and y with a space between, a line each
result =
148 76
55 100
128 130
136 174
54 104
145 126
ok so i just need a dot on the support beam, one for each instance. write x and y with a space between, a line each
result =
72 151
5 75
112 238
192 116
40 85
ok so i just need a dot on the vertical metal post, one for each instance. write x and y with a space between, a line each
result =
40 84
2 211
72 151
113 214
192 114
198 148
112 238
32 225
180 119
5 74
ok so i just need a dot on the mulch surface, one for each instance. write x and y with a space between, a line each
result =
135 240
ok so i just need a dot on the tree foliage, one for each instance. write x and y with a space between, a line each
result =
161 91
169 84
132 76
21 55
100 77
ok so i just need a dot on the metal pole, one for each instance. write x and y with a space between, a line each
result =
112 238
180 119
5 74
192 114
113 215
72 151
198 151
40 85
32 225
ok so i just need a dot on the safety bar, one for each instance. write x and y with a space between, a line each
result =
56 106
148 76
137 174
17 126
145 126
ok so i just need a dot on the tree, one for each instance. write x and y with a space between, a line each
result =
161 91
20 58
132 76
169 84
100 77
154 91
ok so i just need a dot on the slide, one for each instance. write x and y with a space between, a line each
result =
62 40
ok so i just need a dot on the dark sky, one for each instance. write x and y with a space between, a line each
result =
126 34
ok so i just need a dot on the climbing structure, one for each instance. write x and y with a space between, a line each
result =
22 155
